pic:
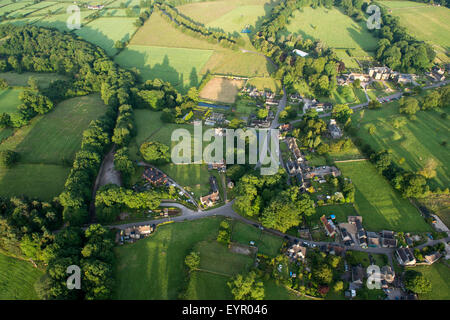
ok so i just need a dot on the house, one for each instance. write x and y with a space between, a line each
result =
432 258
388 239
329 226
210 199
405 256
219 166
334 130
95 7
345 235
155 177
359 76
357 278
322 172
372 239
353 219
335 250
300 53
293 147
297 252
380 73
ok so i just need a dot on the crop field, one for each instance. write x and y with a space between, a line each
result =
9 100
104 32
379 205
179 66
433 27
153 268
17 279
416 141
332 27
222 90
438 273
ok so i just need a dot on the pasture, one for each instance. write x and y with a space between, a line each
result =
17 279
433 27
208 286
416 141
265 84
12 7
333 28
59 21
21 79
104 32
222 89
179 66
438 273
378 203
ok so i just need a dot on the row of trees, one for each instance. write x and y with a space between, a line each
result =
192 28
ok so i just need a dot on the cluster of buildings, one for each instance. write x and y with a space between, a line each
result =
134 233
377 73
334 130
221 166
214 118
155 177
269 96
212 198
95 7
436 74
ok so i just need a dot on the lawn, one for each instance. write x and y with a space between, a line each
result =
55 137
341 211
154 268
416 142
104 32
179 66
379 205
9 100
438 274
17 279
333 28
208 286
267 243
433 27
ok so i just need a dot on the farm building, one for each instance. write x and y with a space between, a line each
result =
300 53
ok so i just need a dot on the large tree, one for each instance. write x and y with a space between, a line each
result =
416 282
247 287
155 151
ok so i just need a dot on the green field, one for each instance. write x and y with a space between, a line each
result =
14 6
341 211
17 279
208 286
104 32
21 79
433 27
179 66
438 274
267 243
333 28
153 268
379 205
417 141
9 100
59 21
46 148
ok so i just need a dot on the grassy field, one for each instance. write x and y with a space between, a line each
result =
208 286
21 79
267 243
434 27
222 89
179 66
438 274
46 148
156 32
55 137
153 268
104 32
332 27
59 21
416 142
17 278
9 100
379 205
14 6
265 84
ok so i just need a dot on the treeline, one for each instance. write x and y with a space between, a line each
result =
312 75
272 201
444 3
111 200
194 29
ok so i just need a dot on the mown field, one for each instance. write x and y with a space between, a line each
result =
46 148
438 274
332 27
21 80
379 205
417 141
433 27
17 279
9 100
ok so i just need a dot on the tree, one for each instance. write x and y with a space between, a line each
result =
409 106
341 112
416 282
8 158
338 286
155 151
429 171
247 287
192 260
262 113
323 274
